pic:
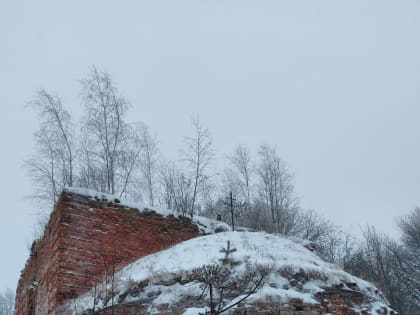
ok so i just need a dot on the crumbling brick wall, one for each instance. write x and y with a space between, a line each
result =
86 239
142 307
332 300
331 307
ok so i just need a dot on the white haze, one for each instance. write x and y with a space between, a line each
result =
333 85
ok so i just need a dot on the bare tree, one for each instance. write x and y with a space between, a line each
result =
91 173
149 159
51 168
177 189
129 162
109 141
227 288
236 179
229 184
167 173
244 168
381 260
331 243
7 302
410 228
224 286
198 155
276 189
408 256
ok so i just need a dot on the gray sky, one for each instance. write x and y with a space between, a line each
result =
334 85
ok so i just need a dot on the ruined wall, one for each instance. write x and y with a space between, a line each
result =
334 307
39 276
331 301
84 240
337 306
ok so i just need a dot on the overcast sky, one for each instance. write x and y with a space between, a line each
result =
334 85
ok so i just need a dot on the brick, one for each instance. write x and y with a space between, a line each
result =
82 239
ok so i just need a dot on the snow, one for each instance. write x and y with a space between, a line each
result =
195 311
285 258
256 248
205 225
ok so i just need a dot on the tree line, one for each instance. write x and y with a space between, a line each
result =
106 152
7 302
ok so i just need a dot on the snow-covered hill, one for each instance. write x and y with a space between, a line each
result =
295 275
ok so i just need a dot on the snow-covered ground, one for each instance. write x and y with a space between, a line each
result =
282 256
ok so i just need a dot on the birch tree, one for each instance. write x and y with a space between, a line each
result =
243 166
276 190
51 168
177 189
109 151
149 159
199 156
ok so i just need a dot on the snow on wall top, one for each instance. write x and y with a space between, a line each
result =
205 225
278 253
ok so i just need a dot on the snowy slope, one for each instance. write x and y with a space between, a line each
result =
285 259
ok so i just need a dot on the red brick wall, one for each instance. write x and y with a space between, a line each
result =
40 270
83 239
135 308
335 307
